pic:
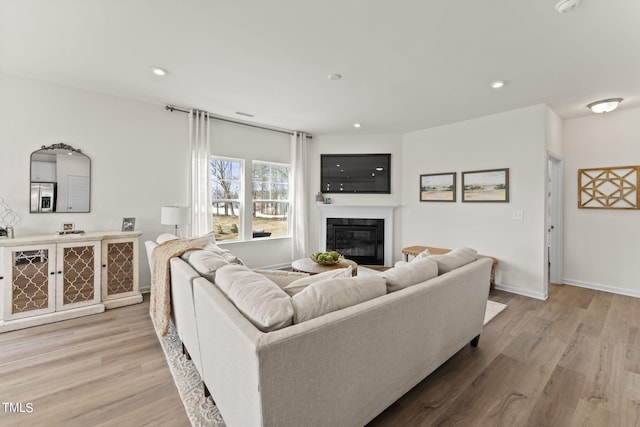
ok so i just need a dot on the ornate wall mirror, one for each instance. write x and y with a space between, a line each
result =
60 180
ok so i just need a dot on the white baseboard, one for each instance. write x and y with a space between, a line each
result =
42 319
145 289
273 267
600 287
523 292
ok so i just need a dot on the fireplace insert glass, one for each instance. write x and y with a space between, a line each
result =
360 240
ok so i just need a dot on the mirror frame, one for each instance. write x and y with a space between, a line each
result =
58 146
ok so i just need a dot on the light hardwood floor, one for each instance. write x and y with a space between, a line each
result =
573 360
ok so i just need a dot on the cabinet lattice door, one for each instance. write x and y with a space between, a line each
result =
30 284
79 274
120 270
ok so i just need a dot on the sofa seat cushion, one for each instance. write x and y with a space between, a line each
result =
260 300
301 284
454 259
335 294
409 274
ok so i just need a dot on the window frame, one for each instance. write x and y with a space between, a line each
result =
288 200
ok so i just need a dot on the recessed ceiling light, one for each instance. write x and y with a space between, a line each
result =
498 84
335 76
564 6
605 105
357 125
159 71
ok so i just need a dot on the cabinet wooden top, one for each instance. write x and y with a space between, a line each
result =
54 238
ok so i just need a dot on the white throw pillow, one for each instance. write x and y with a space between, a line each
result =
165 237
282 278
410 274
259 299
225 253
207 263
301 284
454 259
422 254
335 294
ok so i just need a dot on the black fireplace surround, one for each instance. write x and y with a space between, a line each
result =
358 239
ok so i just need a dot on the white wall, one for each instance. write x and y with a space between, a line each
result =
601 246
514 140
139 160
354 144
138 155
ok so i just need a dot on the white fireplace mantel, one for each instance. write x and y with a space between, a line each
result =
384 212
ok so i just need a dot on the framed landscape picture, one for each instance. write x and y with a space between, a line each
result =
438 187
485 186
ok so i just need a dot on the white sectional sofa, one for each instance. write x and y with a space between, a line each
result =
341 368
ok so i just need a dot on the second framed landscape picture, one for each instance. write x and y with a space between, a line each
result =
438 187
485 186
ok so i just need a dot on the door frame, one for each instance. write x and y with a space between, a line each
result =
554 218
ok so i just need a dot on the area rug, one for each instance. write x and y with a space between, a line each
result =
200 409
492 310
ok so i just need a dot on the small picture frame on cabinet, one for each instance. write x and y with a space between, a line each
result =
128 224
67 226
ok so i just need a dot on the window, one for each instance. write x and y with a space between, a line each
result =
226 197
270 199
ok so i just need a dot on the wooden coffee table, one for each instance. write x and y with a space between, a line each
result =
307 265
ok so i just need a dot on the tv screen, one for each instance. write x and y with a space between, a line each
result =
355 173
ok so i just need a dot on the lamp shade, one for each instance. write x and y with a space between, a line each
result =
174 215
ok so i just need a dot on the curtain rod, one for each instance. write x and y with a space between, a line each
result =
238 122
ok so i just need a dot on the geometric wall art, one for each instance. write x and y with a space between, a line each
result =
609 188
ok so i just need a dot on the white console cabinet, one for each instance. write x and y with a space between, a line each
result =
46 279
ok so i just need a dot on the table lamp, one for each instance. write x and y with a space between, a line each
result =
176 216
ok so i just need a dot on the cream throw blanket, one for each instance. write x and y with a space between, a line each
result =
160 300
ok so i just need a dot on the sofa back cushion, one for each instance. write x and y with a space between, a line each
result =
454 259
409 274
335 294
301 284
260 300
207 263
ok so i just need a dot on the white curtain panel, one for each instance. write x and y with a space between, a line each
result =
300 205
200 188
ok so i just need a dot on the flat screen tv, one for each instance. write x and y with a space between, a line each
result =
355 173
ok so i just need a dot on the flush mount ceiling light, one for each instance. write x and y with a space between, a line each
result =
498 84
564 6
605 105
159 71
334 76
357 125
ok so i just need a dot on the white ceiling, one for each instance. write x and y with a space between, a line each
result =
406 64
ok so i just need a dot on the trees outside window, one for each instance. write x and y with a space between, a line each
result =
270 199
226 196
